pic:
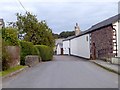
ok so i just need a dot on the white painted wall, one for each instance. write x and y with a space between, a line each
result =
80 46
58 50
66 47
116 25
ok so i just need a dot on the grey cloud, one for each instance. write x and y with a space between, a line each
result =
63 16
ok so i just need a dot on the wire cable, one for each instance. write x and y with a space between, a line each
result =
22 5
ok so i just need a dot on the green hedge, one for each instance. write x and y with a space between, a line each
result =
27 48
46 52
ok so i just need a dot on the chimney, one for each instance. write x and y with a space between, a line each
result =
77 29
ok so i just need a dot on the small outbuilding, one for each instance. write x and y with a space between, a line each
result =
59 49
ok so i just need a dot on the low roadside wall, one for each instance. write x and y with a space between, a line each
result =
31 60
116 60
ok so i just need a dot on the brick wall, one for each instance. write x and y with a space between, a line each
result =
103 39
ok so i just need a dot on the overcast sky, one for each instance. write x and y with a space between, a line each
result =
61 15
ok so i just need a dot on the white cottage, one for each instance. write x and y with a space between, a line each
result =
67 45
77 46
80 46
59 49
57 46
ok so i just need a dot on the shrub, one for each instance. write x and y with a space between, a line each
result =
6 59
10 36
27 48
46 52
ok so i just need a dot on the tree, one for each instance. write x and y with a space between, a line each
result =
10 36
55 36
34 31
27 24
66 34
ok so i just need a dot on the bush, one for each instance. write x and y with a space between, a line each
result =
27 48
6 59
46 52
10 36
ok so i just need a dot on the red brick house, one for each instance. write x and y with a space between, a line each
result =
104 39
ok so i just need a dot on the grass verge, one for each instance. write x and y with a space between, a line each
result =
6 72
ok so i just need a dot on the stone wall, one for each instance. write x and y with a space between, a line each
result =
14 52
103 39
115 60
32 60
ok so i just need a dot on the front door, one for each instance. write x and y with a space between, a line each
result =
93 51
69 51
61 51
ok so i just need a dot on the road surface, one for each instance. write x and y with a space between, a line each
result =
63 72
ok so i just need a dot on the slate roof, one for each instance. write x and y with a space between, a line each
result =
68 38
104 23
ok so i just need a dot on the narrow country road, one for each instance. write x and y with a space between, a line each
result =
63 72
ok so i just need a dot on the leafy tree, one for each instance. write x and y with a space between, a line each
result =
27 24
55 36
66 34
34 31
10 36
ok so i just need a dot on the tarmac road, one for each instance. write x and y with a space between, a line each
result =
63 72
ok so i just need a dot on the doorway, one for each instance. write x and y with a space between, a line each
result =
69 51
61 51
93 50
